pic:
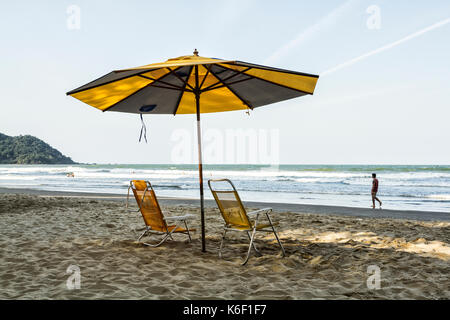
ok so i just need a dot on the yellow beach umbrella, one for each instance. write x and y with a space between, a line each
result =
194 85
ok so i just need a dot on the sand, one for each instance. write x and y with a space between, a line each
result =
328 256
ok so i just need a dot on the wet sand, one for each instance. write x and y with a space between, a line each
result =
328 253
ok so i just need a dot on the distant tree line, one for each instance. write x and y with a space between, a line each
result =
29 150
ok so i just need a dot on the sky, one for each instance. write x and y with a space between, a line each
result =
382 97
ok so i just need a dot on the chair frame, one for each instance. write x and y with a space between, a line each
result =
251 232
166 234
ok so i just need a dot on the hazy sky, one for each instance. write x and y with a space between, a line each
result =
384 96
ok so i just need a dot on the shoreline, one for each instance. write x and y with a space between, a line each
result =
276 206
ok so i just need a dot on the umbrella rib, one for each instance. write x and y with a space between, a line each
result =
218 87
232 91
170 88
185 82
206 75
182 92
227 78
274 83
139 90
163 82
258 66
108 82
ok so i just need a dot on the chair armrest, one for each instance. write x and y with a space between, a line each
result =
133 211
185 217
259 211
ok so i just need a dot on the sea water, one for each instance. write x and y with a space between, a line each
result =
401 187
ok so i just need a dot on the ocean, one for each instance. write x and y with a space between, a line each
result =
418 187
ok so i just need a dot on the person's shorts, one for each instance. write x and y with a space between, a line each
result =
374 193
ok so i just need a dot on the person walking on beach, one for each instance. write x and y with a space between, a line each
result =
375 190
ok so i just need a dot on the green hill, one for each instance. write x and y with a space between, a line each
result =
29 150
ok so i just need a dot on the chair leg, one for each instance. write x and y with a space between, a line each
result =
221 242
250 246
279 242
258 253
276 235
168 235
142 234
187 228
158 244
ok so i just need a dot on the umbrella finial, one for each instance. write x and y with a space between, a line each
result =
195 52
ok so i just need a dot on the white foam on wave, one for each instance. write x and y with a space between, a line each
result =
114 174
102 172
445 197
14 177
29 169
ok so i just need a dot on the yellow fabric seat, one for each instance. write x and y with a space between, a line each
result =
236 218
152 214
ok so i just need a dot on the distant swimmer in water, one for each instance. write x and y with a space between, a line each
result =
71 175
375 190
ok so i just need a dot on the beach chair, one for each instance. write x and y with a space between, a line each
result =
237 219
155 221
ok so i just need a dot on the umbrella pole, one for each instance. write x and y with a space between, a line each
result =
200 164
200 172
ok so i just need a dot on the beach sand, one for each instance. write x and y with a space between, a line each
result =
327 256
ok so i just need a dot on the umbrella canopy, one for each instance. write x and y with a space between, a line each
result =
194 85
170 87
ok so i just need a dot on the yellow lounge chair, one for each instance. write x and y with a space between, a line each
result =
237 219
155 222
